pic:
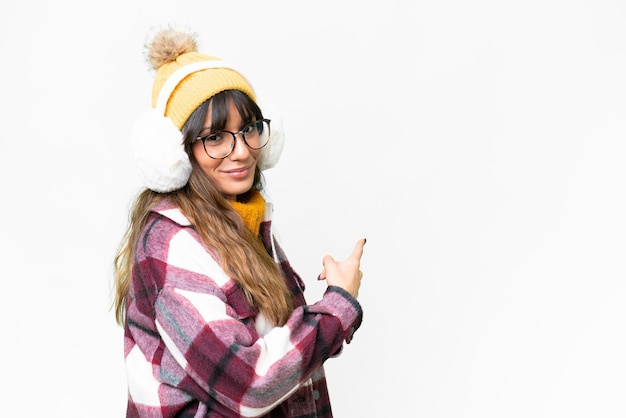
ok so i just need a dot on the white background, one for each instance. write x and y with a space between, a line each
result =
478 146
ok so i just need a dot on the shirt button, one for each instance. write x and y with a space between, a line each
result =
316 395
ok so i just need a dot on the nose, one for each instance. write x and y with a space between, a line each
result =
241 151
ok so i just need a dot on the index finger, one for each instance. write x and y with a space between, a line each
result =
358 249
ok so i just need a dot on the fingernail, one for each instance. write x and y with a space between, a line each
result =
364 241
319 277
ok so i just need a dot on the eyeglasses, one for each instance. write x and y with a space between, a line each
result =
221 144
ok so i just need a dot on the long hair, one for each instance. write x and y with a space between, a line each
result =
241 254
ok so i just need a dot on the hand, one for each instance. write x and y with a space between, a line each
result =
345 274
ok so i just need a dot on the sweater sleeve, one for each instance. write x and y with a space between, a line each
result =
211 346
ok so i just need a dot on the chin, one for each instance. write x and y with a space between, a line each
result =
238 189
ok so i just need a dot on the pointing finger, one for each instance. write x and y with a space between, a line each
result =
358 249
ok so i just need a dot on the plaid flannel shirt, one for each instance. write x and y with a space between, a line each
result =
195 348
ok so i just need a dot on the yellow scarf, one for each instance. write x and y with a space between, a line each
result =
251 211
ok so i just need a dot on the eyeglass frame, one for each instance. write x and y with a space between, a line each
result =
234 134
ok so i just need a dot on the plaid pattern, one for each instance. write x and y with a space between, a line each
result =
195 348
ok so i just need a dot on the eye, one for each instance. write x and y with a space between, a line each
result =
250 128
213 139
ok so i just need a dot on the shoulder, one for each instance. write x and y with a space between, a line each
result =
167 229
168 210
169 240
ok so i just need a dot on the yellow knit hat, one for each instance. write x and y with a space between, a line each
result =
171 52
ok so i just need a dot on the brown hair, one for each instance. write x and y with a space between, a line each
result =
242 255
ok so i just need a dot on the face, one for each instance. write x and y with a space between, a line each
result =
233 175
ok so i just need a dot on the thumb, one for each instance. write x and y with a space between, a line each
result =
327 260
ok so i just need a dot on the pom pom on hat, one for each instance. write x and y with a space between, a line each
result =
167 45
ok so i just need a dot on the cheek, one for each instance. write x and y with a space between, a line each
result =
197 150
255 153
206 163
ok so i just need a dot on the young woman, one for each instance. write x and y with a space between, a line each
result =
215 320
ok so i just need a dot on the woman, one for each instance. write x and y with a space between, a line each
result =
215 320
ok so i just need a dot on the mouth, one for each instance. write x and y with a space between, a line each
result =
239 172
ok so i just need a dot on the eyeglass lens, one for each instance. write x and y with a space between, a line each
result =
221 144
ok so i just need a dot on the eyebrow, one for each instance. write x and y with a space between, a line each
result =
244 125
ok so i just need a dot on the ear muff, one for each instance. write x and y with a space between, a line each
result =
158 152
270 154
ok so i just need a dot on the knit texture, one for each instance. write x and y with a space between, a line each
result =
196 87
251 211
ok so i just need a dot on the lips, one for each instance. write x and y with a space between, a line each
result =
239 172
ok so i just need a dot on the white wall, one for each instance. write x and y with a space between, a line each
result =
478 146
